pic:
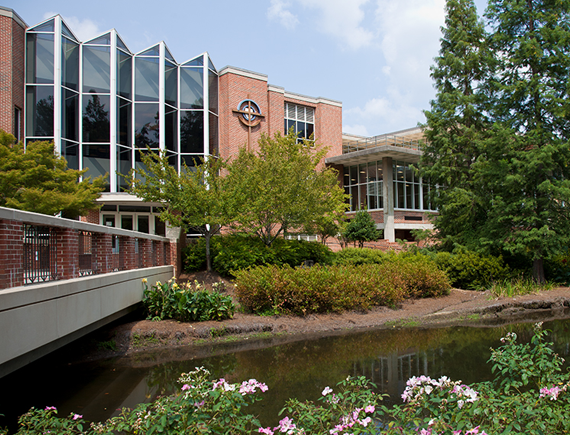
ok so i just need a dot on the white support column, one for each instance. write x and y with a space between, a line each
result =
206 105
388 194
113 109
57 85
161 99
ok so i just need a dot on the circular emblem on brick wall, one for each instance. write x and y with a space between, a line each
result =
249 113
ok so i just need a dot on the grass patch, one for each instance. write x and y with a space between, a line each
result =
139 340
518 287
402 323
107 345
473 316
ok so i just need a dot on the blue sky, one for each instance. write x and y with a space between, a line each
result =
373 55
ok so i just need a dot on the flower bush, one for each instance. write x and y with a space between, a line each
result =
186 302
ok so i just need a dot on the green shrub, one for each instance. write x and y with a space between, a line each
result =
319 289
194 255
358 256
186 303
557 269
471 270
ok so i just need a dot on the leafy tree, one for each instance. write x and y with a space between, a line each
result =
527 170
455 124
362 229
196 199
283 186
37 179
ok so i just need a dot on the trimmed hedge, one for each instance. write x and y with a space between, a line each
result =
301 291
356 256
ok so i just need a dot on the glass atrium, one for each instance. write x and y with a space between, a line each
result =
102 105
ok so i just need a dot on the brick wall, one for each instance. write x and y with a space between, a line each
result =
12 253
12 36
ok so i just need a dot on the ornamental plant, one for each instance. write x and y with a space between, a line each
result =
186 302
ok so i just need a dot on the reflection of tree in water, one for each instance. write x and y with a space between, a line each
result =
192 132
44 117
95 121
148 134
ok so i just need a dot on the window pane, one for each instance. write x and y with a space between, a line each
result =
39 57
192 132
143 224
213 91
124 74
96 160
372 196
124 110
401 197
346 177
353 175
70 151
191 88
409 173
171 83
69 115
127 222
363 200
146 125
362 173
409 195
171 130
146 79
102 40
159 227
354 198
96 126
70 64
39 111
124 164
300 130
371 172
96 69
310 130
213 126
417 196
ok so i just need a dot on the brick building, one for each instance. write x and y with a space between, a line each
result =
101 104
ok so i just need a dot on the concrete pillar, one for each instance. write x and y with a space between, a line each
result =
388 194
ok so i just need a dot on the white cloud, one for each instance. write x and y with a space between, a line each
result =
278 11
342 20
84 29
357 129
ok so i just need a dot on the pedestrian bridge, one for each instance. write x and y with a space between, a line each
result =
61 279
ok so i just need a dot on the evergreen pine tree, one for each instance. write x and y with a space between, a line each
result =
527 171
456 123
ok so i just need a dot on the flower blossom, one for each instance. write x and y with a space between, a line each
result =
552 392
77 416
186 387
50 408
266 430
249 387
326 391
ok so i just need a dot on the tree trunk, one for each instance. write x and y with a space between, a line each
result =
208 236
538 271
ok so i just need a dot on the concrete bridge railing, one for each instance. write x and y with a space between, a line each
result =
61 279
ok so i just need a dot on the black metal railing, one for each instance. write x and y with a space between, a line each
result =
40 254
86 253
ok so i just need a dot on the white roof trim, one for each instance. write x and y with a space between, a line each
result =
242 72
312 100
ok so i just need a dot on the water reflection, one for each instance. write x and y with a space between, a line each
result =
297 369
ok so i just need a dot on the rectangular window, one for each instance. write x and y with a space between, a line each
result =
17 124
363 183
301 119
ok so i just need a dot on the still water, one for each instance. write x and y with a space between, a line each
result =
298 369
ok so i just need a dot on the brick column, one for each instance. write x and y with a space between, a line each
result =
146 246
127 252
67 253
11 254
102 253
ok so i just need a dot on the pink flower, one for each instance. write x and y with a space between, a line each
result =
77 416
266 430
185 387
369 409
51 408
326 391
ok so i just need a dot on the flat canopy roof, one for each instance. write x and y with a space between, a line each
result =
376 153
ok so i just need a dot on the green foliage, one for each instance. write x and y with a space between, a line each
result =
357 256
186 303
362 229
194 254
283 185
557 269
301 291
238 251
498 134
472 271
197 198
37 179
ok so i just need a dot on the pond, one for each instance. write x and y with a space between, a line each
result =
298 369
